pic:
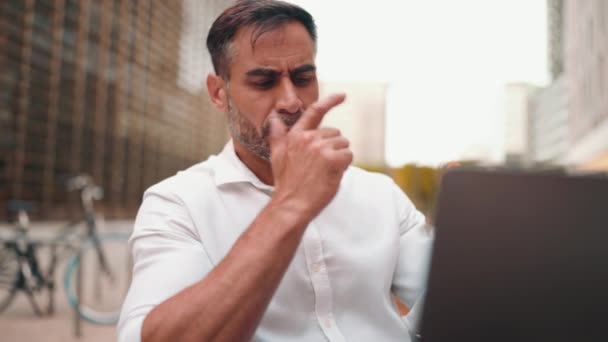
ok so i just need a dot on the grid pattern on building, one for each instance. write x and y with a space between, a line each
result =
555 21
92 86
548 123
518 106
586 55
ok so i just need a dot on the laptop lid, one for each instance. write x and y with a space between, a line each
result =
518 257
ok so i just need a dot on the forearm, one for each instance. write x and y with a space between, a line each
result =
229 303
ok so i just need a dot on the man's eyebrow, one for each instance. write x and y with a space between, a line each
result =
303 68
267 72
263 72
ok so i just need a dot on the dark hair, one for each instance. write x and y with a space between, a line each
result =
263 15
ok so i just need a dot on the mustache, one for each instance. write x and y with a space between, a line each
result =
288 120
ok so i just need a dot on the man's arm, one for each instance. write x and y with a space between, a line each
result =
415 244
228 304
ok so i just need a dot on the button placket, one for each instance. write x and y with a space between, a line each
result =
313 250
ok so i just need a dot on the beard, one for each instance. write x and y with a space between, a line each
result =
255 139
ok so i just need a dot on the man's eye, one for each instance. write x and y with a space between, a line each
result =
302 81
265 84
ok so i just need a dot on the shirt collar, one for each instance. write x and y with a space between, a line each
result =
230 169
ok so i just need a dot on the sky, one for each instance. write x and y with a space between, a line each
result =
445 63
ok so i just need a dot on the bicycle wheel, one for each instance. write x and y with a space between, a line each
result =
9 276
101 294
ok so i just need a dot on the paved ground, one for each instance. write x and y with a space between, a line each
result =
19 323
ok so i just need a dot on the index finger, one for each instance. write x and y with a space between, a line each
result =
311 119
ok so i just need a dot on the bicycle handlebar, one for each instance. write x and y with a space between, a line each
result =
89 192
79 182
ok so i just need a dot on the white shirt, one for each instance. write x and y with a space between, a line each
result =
370 240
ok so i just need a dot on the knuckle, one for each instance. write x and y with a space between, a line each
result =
334 132
314 108
317 145
327 154
306 136
346 142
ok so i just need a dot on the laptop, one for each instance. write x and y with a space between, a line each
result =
518 257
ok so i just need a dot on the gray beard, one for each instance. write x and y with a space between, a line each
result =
253 139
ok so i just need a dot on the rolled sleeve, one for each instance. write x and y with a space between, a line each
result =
168 256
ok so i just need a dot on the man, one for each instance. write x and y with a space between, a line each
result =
277 238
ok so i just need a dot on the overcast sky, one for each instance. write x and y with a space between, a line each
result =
446 63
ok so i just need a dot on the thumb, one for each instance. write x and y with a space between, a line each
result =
277 129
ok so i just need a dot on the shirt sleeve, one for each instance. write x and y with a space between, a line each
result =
415 246
168 256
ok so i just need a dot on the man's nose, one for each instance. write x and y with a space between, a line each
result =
288 101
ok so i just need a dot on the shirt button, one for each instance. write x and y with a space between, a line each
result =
317 267
328 323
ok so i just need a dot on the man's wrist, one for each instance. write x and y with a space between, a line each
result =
291 211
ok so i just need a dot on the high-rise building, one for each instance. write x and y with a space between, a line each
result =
555 34
548 124
108 88
569 119
548 120
586 65
518 97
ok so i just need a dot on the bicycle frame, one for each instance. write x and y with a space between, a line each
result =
88 194
30 277
94 237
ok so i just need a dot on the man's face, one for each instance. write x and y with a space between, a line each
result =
277 74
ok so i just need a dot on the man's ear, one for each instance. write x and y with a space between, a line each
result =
217 92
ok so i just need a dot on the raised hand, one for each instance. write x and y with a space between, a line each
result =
307 161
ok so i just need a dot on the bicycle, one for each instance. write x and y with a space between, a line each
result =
91 274
20 268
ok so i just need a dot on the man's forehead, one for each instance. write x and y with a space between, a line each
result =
259 36
289 44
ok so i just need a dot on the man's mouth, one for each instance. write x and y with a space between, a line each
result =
289 120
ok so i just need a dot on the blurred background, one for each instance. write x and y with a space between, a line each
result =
116 89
